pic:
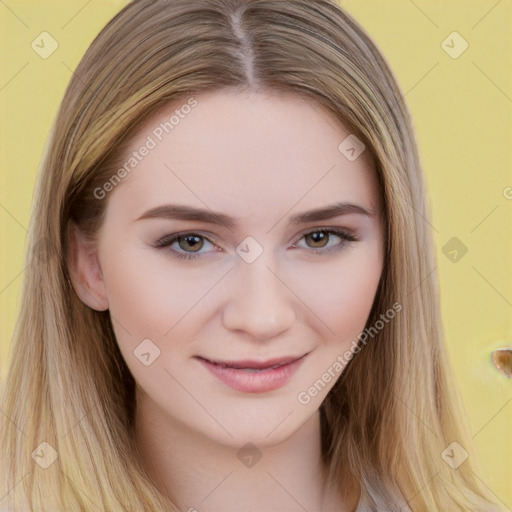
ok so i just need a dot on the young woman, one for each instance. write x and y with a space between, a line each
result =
229 303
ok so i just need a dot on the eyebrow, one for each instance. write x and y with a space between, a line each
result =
180 212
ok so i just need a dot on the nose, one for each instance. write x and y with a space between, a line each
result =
259 304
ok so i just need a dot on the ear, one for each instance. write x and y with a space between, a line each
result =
85 271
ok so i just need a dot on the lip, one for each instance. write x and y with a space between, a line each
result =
251 376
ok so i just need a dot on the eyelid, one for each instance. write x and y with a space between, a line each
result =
340 229
170 238
346 236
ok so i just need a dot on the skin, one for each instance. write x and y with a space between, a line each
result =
260 158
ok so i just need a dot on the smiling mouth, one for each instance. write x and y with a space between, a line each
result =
254 376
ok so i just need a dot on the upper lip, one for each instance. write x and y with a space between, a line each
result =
257 365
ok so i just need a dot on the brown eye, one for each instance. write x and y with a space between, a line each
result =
324 241
317 239
190 243
187 245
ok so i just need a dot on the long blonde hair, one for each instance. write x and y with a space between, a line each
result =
392 412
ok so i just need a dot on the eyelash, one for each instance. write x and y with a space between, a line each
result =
168 240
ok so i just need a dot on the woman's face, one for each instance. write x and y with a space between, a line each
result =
226 241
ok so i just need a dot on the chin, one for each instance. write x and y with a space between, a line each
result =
264 430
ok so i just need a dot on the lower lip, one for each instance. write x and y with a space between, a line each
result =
254 382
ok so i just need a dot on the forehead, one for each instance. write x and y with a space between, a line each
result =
246 153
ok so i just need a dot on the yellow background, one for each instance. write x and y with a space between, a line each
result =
462 114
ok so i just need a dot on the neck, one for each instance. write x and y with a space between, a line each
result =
201 474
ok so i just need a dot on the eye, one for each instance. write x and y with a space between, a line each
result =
325 240
190 245
185 245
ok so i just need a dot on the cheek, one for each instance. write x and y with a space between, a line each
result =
341 292
146 296
152 299
341 296
153 296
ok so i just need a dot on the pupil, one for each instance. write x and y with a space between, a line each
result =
319 237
